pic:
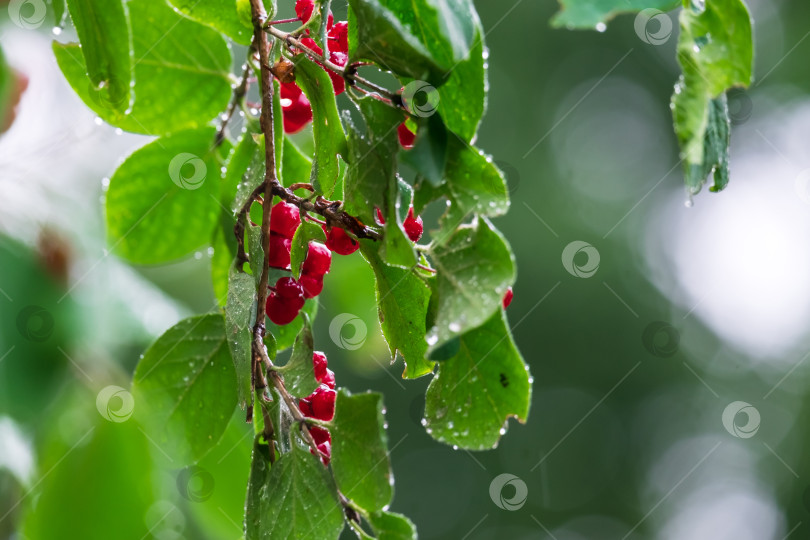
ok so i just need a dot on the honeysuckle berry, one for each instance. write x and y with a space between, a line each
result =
380 218
406 136
319 364
320 435
326 451
317 261
278 255
339 37
295 107
413 226
284 219
507 298
329 379
305 407
304 9
284 301
336 57
313 285
340 242
323 403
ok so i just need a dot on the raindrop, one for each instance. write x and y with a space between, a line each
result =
424 422
56 30
98 120
198 255
601 27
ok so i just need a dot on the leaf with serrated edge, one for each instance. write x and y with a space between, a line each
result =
474 393
294 499
240 316
150 217
474 267
402 298
185 388
360 450
182 72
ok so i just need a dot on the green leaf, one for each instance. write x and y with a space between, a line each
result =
253 175
326 128
307 232
429 153
299 374
715 51
185 387
59 10
239 162
294 499
422 39
474 183
474 393
403 299
296 166
181 72
589 13
360 450
162 201
103 29
222 15
462 98
391 526
240 316
475 267
224 244
286 335
371 180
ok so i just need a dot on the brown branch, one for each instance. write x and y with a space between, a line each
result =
239 94
348 73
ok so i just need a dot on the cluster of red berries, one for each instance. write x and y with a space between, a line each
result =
320 405
297 111
413 224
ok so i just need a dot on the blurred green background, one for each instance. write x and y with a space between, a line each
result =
638 368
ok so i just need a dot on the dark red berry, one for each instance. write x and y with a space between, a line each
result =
413 226
507 298
339 34
313 285
319 364
380 218
296 110
318 260
284 219
328 379
305 406
341 243
288 288
323 403
320 435
303 9
279 251
406 136
325 449
283 310
339 59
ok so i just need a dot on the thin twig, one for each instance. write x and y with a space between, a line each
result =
239 94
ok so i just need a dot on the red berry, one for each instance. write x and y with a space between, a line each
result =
341 243
413 226
340 59
303 9
323 403
328 379
283 310
507 298
284 219
326 450
380 218
288 288
313 285
279 251
320 435
296 110
305 406
318 260
339 34
319 364
406 136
